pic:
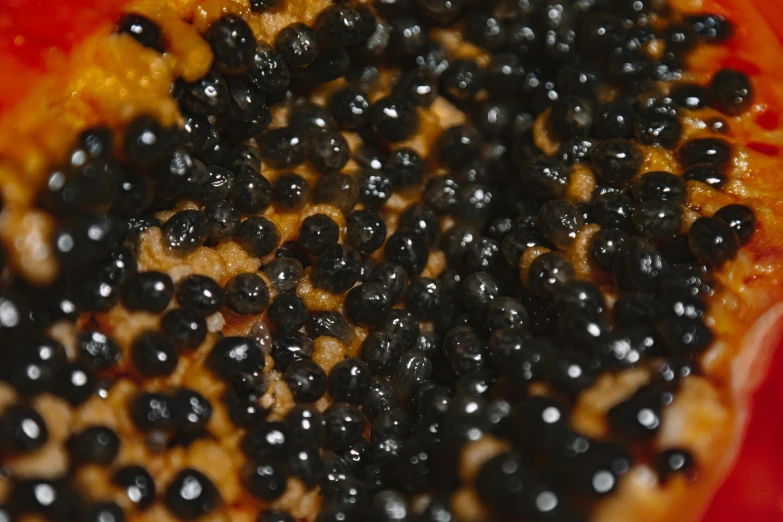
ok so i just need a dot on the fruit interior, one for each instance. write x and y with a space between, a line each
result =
461 355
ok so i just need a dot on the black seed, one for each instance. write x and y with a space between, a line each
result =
613 210
381 350
675 461
149 291
350 108
290 347
692 96
337 189
208 95
394 118
366 231
465 350
559 221
258 236
145 141
712 151
545 177
657 219
658 128
317 233
36 365
713 241
200 293
75 383
328 151
638 267
344 425
266 441
152 411
298 44
733 90
625 66
461 80
408 250
337 269
98 350
94 445
104 512
247 294
269 70
251 193
191 495
616 120
740 218
306 426
339 26
232 42
287 312
458 145
349 381
659 186
706 174
711 28
22 429
549 272
185 327
192 411
639 417
405 168
283 148
367 304
138 485
617 161
185 231
380 398
222 221
265 481
153 355
403 325
143 30
306 380
234 355
330 324
284 273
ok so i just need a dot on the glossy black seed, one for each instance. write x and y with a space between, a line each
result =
617 161
733 90
570 118
675 461
36 365
740 218
706 174
339 26
515 352
208 95
290 347
350 108
344 425
380 398
625 66
381 350
317 233
330 324
407 36
185 231
479 289
659 185
458 145
232 42
366 231
465 350
306 380
328 151
375 187
394 118
559 221
268 70
138 485
104 512
306 426
715 152
506 312
340 190
266 441
638 267
185 327
337 269
657 219
349 381
200 293
145 141
153 355
408 250
616 119
417 87
22 429
265 481
152 411
658 128
251 193
283 148
403 325
222 221
247 294
548 273
713 241
639 417
503 483
234 355
287 312
691 96
711 28
283 272
149 291
298 44
413 369
192 411
545 177
98 350
405 168
75 383
258 236
143 30
633 309
367 304
461 80
421 220
612 210
191 495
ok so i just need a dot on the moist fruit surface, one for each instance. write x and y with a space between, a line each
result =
393 260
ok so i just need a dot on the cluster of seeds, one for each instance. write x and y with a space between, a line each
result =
495 346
